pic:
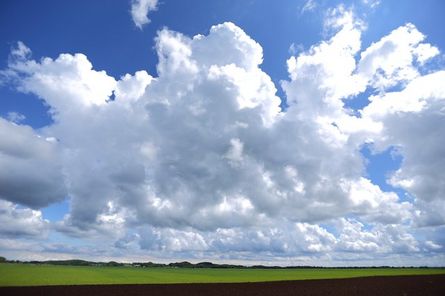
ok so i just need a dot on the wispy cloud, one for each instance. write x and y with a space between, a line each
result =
309 5
15 117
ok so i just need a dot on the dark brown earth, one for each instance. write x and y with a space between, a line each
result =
424 285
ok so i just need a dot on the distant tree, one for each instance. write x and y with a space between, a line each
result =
2 259
113 263
149 264
182 264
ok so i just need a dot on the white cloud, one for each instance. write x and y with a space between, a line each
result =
432 245
413 119
235 153
140 10
371 3
130 88
21 51
391 59
287 239
71 75
309 5
424 52
379 239
201 160
21 222
323 75
375 205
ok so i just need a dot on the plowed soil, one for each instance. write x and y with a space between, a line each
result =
423 285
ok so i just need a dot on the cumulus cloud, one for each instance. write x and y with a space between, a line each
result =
379 239
140 10
392 59
21 222
282 241
201 159
414 113
31 173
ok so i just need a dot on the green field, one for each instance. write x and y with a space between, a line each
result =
37 275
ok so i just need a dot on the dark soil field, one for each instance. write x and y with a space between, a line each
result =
423 285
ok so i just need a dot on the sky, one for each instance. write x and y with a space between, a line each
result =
253 132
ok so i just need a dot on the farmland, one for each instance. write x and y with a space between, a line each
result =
43 275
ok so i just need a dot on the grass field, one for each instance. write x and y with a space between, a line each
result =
38 275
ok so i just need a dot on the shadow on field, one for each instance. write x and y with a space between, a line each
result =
422 285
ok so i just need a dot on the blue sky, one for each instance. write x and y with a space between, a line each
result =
304 157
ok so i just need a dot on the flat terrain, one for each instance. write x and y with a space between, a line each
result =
423 285
48 275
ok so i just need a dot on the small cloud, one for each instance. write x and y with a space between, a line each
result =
295 49
20 51
15 117
309 6
235 154
432 245
341 17
371 3
140 10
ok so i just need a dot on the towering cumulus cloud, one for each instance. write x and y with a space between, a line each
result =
201 160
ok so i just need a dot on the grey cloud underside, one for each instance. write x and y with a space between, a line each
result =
31 173
202 158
